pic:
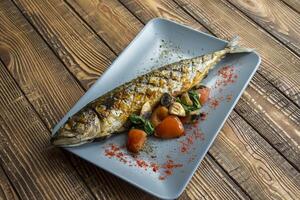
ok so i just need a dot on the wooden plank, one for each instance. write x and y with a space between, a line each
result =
223 186
35 171
253 163
33 66
52 91
259 183
295 4
108 17
80 49
7 191
267 117
102 184
281 114
147 10
280 66
276 17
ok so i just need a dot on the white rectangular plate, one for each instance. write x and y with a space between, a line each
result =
167 167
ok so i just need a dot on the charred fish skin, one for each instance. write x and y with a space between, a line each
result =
107 114
80 129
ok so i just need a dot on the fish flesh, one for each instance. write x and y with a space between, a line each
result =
107 114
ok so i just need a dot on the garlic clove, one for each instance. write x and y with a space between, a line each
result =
146 110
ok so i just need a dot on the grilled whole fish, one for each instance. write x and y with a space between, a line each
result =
108 114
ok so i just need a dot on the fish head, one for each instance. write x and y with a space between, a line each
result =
81 128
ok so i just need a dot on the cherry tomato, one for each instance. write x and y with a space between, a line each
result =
204 94
170 127
158 115
136 140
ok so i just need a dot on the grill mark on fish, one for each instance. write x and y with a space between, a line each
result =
164 73
97 113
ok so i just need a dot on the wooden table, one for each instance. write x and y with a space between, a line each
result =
51 52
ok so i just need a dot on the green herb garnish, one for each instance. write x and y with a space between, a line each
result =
136 119
148 128
194 96
142 123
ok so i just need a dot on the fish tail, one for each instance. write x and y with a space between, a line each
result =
235 48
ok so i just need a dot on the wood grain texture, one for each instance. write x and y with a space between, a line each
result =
253 163
223 186
276 17
52 90
274 117
7 191
259 184
147 10
280 114
106 186
35 170
279 65
109 19
108 193
80 49
295 4
33 66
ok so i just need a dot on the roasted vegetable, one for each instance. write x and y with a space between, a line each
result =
166 100
185 99
158 115
194 96
170 127
177 109
146 110
204 94
136 140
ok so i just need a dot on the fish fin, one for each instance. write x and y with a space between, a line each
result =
234 48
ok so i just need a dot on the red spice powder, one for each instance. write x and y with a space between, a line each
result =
120 153
183 149
227 76
187 143
111 152
155 167
198 134
114 150
214 103
168 166
168 172
142 163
